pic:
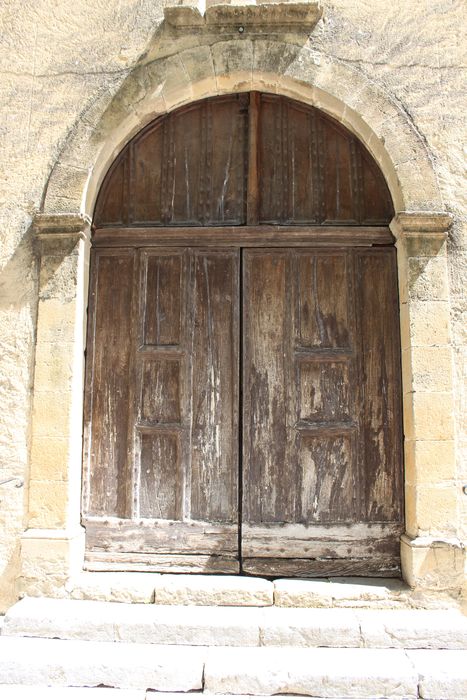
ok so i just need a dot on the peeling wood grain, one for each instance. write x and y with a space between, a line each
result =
387 567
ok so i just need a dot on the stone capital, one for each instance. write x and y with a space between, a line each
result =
63 225
421 224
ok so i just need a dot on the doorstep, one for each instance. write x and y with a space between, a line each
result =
224 590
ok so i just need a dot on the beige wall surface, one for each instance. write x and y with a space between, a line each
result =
63 61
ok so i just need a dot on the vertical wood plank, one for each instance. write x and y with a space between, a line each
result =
268 493
214 385
380 380
253 160
108 416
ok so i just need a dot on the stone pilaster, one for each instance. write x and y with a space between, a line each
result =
432 556
53 542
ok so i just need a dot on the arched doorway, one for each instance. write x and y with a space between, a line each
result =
242 407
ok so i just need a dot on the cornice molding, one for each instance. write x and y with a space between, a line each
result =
61 225
429 224
263 16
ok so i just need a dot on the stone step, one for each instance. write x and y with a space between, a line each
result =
235 627
220 590
320 673
27 692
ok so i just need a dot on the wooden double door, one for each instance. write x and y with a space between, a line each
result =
243 410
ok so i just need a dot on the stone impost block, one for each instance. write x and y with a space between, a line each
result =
442 674
433 564
212 590
421 225
350 673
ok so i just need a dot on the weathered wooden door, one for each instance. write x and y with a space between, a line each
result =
242 404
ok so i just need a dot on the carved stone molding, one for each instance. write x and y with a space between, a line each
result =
263 16
430 224
61 225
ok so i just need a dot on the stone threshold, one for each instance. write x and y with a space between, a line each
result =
224 590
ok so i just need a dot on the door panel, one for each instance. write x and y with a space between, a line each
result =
178 376
320 411
313 468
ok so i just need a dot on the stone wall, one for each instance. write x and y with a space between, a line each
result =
78 78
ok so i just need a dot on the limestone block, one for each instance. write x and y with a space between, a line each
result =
69 180
432 508
426 245
49 458
212 590
48 504
424 323
57 324
430 417
427 369
427 279
51 413
309 628
351 673
433 564
122 587
338 592
48 558
413 629
233 64
199 66
273 57
429 461
132 622
167 77
57 662
442 674
54 365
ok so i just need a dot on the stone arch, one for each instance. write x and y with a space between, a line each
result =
235 66
52 547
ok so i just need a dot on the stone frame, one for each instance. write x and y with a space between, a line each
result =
53 543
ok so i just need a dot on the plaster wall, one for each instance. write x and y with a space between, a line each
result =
69 66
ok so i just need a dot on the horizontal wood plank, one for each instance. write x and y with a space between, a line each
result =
360 540
319 568
243 236
155 563
161 536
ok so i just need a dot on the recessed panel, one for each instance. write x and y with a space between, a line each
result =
328 478
161 485
322 301
160 391
325 390
163 300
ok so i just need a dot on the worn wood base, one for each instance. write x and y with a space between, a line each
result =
153 563
384 567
